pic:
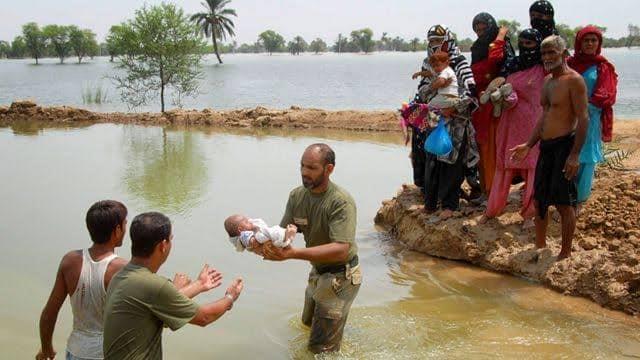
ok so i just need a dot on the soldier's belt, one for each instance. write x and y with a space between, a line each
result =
336 269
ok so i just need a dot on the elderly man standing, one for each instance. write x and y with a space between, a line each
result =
326 215
561 131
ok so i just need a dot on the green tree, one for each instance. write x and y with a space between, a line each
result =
465 44
297 45
271 40
318 45
364 39
58 37
34 39
18 47
398 44
5 49
116 38
514 30
634 35
161 50
415 44
340 44
82 42
216 22
384 44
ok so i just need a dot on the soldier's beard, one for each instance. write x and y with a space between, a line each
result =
550 66
311 183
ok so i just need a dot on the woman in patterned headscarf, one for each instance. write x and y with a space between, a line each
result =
516 123
541 15
487 55
439 38
602 82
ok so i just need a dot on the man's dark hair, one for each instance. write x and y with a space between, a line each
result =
102 219
327 153
146 231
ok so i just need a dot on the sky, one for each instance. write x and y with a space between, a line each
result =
324 18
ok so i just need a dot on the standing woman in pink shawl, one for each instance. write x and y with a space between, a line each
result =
523 110
602 82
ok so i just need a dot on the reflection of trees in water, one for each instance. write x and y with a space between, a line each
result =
167 171
34 128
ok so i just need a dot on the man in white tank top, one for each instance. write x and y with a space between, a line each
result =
84 275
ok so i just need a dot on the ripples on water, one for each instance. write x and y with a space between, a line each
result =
410 306
329 81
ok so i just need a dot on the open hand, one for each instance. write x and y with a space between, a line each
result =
209 278
274 253
181 280
235 288
519 152
571 167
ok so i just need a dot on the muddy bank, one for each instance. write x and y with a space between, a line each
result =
293 118
604 266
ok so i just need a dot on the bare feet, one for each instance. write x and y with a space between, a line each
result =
528 224
483 219
446 213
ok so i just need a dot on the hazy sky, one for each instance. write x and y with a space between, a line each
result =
325 18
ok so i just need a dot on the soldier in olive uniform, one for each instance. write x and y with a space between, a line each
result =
326 215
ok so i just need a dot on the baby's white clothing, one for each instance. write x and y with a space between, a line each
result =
275 234
452 88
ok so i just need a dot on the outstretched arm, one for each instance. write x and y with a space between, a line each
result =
328 253
211 312
208 279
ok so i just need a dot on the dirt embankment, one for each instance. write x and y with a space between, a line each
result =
294 118
604 266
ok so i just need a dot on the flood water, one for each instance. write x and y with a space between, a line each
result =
410 306
379 81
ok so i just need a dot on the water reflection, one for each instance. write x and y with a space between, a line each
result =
165 169
35 128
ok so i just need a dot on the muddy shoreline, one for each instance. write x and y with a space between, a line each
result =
259 117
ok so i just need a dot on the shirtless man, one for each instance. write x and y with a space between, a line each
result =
561 132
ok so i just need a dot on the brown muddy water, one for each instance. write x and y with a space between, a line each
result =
411 306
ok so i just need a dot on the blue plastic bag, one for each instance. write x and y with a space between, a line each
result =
439 142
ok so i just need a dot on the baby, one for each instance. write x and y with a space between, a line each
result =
445 83
245 233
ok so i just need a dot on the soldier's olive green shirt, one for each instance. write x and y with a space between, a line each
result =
323 218
139 304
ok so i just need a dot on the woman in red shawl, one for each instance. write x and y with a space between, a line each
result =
602 81
487 57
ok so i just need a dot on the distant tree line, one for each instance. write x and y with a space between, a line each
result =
363 40
59 41
65 41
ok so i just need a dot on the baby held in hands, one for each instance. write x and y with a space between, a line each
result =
245 233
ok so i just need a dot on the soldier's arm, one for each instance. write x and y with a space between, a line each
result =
328 253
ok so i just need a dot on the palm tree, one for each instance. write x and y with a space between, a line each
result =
215 22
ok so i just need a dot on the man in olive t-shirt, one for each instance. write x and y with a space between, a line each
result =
140 303
326 216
